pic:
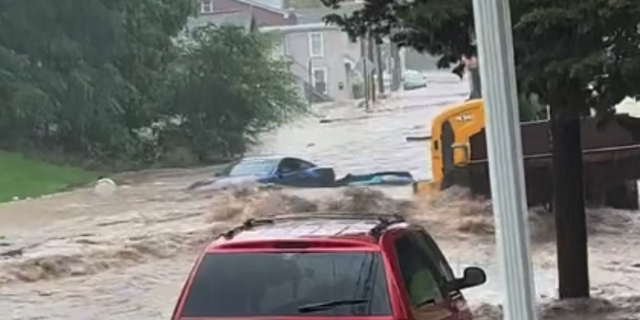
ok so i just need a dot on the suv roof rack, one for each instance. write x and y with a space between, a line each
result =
384 221
247 225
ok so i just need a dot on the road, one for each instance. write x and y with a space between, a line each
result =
125 256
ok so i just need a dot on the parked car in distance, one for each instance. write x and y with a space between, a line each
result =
412 79
325 266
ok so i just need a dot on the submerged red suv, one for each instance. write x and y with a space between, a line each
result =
326 266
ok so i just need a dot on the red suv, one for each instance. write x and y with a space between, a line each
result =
320 266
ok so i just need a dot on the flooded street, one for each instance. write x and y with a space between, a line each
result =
359 143
78 256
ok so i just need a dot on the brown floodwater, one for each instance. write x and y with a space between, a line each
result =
80 256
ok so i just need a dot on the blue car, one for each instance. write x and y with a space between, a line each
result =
288 171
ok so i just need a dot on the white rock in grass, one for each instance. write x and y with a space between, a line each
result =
105 187
15 198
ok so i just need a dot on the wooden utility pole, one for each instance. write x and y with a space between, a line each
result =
372 83
379 66
396 76
365 72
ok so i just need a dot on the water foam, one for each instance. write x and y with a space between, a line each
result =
458 221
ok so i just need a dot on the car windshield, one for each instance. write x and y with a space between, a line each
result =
253 167
286 284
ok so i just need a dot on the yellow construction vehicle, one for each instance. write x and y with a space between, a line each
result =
450 133
459 157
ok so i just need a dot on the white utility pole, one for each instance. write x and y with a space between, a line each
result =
499 91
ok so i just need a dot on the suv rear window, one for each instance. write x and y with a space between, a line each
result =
277 284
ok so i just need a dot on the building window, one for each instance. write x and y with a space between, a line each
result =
206 6
320 80
282 46
316 44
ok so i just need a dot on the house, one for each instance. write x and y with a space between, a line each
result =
325 63
321 55
263 12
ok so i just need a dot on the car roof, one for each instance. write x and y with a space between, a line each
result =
270 158
364 228
262 158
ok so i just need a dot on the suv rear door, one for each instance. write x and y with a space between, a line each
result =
423 278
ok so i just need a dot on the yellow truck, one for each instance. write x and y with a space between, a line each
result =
459 157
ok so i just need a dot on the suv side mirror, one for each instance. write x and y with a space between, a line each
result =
473 277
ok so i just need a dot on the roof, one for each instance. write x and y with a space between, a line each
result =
272 4
359 227
237 18
269 5
300 27
315 15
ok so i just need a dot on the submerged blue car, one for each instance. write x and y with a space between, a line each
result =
288 171
293 172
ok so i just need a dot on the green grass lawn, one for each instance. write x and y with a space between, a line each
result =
24 177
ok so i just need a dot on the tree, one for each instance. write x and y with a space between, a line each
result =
148 51
56 54
78 76
577 55
227 90
102 82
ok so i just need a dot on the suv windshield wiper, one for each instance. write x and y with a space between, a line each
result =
314 307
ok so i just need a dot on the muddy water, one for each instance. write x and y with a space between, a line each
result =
79 256
366 142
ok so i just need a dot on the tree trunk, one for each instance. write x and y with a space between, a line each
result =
568 203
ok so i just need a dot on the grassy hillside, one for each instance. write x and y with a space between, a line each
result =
22 177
